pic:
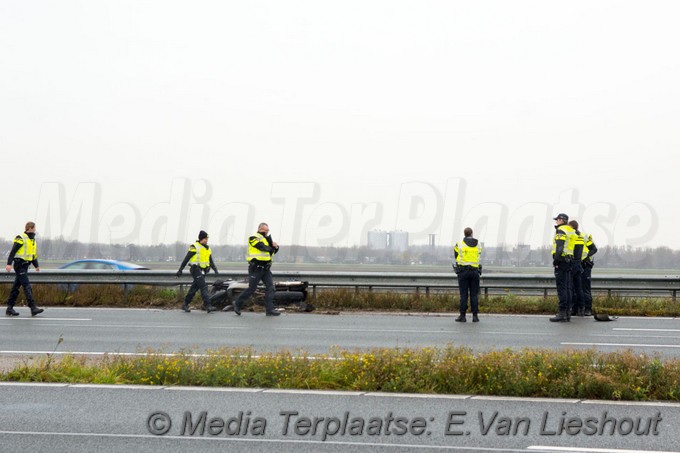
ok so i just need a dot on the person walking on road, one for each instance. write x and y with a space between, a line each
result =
261 249
562 254
200 261
24 253
466 255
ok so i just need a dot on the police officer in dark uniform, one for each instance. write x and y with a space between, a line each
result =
466 254
24 253
200 261
589 249
261 248
563 254
578 299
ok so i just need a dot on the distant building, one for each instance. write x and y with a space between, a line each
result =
398 240
384 240
377 240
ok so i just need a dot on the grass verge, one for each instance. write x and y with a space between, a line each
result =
448 370
508 303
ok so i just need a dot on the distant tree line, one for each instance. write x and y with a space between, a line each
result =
501 256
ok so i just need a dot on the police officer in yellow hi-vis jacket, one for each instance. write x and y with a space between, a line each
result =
261 248
24 253
466 254
563 255
200 261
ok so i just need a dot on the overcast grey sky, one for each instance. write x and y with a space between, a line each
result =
144 121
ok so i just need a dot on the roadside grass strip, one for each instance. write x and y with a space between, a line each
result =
581 374
141 296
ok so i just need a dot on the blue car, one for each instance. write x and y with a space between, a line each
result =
102 265
98 265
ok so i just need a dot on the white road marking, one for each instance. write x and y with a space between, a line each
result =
548 401
633 403
286 329
418 395
268 441
520 398
147 326
442 330
636 336
647 330
338 329
593 450
626 345
144 354
132 354
184 388
19 318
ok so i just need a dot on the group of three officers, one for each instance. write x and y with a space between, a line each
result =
572 253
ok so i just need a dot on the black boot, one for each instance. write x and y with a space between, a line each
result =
560 317
580 312
461 318
474 317
237 309
11 312
185 308
34 308
273 313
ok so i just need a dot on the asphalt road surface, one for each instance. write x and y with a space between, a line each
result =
98 330
83 418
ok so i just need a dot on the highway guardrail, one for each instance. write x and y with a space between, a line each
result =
497 283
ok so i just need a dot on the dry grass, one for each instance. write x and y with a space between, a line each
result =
527 373
342 299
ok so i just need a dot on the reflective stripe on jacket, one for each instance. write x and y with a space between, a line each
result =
28 250
579 246
202 256
467 255
254 252
564 233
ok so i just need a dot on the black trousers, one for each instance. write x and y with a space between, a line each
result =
587 290
198 284
257 273
564 285
578 301
468 283
21 279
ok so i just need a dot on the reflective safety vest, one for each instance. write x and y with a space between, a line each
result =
564 233
28 250
255 253
587 242
579 241
467 256
202 256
